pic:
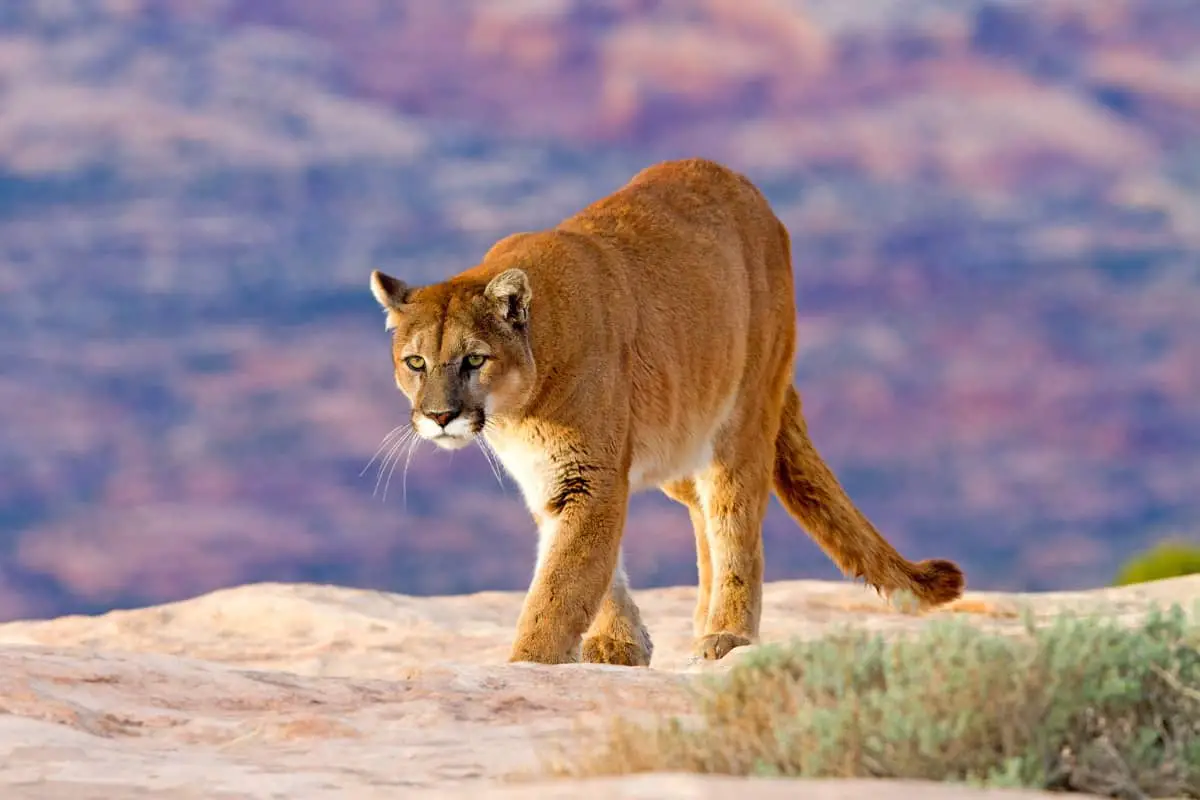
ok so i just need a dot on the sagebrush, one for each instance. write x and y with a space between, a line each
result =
1082 704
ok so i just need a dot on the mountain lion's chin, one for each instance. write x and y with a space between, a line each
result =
447 442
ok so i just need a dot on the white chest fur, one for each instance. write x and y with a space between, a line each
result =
530 467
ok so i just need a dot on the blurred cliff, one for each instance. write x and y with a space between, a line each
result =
995 208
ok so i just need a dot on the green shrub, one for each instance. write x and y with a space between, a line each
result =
1170 559
1082 704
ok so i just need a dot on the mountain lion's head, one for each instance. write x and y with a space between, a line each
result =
460 351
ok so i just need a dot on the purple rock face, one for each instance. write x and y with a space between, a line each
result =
992 205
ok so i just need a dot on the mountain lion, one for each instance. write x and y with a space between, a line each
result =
647 341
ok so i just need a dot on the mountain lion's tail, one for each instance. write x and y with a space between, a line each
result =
810 492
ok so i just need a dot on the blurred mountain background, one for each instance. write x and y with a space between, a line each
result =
994 204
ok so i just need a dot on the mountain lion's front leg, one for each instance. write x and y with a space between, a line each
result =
580 543
617 634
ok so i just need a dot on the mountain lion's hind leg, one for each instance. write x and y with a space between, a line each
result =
617 634
733 492
685 492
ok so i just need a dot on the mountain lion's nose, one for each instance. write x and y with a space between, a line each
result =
442 418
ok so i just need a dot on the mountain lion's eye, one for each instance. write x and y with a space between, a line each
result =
415 363
475 361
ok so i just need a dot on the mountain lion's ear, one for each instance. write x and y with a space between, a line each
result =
511 293
389 292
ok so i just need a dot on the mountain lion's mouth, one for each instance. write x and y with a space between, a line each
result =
448 441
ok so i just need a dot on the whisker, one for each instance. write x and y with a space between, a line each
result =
391 458
392 467
408 462
407 446
403 441
383 445
491 458
382 466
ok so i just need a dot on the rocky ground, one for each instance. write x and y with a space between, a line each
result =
305 691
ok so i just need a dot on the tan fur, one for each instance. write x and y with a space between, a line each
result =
646 341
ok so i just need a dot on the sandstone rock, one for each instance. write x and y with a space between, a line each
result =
305 691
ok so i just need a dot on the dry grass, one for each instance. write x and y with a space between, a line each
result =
1082 704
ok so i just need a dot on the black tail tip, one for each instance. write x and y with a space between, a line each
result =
938 581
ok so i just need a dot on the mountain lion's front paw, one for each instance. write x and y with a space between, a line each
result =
605 650
716 646
539 651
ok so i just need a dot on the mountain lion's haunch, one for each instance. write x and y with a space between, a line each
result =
646 341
